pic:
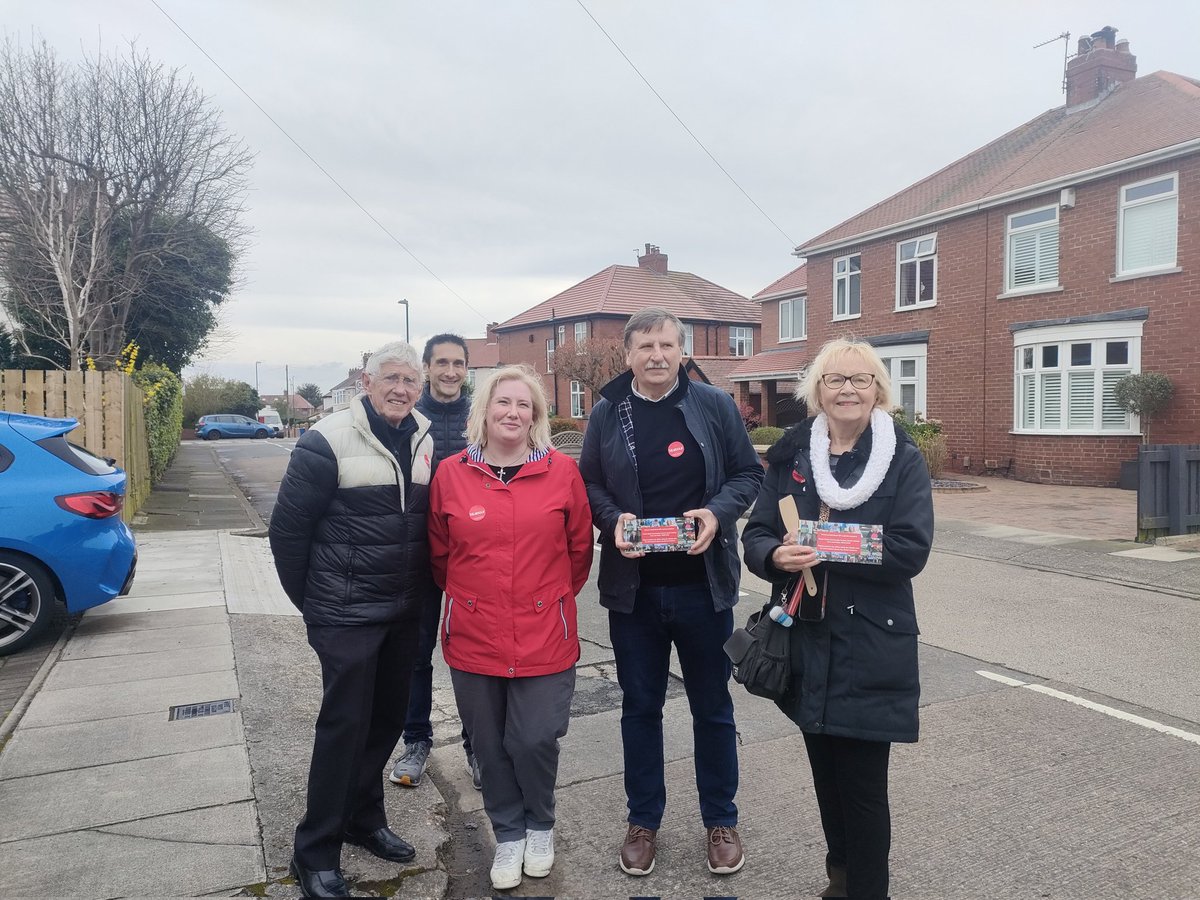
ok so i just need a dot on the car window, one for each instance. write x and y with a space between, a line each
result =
74 455
6 457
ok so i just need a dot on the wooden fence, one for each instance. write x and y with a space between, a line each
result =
1168 489
109 407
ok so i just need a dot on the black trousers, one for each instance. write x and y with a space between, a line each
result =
364 669
850 777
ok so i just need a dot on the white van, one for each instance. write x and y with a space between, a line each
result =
269 416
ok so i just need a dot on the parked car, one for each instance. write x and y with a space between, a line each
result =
61 533
228 425
269 416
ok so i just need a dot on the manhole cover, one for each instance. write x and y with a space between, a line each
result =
198 710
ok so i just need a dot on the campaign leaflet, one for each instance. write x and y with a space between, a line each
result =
849 542
661 535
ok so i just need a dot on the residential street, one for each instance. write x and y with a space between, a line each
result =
1018 788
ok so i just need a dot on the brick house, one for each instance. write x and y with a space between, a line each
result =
720 324
1012 289
774 369
483 356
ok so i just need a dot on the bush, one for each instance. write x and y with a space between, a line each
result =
750 417
765 434
164 414
1145 395
927 435
558 423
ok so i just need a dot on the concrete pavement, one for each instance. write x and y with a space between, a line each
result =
104 795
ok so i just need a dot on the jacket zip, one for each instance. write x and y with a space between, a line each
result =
449 610
562 614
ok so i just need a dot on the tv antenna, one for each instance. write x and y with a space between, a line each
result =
1065 37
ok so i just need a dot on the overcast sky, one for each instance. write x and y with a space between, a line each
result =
514 151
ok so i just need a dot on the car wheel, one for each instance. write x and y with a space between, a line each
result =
213 435
26 601
261 433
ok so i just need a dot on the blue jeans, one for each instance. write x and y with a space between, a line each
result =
684 616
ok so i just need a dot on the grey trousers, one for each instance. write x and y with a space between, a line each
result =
515 724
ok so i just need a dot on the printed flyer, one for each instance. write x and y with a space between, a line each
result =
848 542
661 535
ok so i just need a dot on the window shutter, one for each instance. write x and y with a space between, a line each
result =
1112 416
1081 400
1051 400
1024 260
1028 407
1148 235
1048 256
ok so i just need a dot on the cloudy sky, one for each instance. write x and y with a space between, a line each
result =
513 150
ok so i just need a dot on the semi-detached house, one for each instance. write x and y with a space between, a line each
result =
1011 290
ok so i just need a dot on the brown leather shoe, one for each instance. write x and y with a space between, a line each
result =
637 855
725 854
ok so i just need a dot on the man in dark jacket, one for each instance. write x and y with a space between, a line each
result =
349 539
446 406
661 445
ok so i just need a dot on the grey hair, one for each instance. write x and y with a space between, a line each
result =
650 319
396 352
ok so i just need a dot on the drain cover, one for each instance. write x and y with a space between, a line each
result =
197 710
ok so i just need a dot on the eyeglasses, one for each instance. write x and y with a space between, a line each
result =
395 380
860 380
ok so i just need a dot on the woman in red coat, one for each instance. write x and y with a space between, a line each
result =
510 535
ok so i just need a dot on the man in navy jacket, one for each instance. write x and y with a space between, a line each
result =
661 445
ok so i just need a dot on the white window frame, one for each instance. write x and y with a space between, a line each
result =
845 276
1045 235
687 339
549 355
924 249
1033 381
893 359
576 399
741 338
787 322
1125 206
580 336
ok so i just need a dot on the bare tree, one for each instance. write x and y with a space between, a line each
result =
593 362
110 147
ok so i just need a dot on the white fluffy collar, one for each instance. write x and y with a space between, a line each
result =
883 448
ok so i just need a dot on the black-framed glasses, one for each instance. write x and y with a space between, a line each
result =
860 380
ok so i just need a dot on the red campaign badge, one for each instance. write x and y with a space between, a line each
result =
426 458
476 513
675 448
797 477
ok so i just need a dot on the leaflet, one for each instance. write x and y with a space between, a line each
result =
849 542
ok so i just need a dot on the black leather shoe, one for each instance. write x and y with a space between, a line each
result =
384 843
325 883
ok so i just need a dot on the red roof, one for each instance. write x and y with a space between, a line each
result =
1123 129
481 354
624 290
782 362
794 282
717 369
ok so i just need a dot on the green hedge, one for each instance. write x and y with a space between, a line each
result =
560 423
765 434
164 414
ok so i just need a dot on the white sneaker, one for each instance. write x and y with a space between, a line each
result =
539 853
506 867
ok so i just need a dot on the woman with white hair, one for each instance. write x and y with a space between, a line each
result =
854 655
510 531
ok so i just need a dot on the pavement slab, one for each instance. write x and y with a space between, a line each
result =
96 670
251 585
149 640
103 701
155 620
120 792
67 748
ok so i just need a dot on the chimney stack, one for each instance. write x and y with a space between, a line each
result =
490 331
1101 64
653 260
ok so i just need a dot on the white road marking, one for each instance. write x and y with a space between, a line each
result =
1095 707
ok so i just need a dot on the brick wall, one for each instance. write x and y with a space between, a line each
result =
970 351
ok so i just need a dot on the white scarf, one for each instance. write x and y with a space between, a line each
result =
883 448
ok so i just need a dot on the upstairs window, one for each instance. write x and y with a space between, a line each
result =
740 341
580 336
793 319
847 287
549 355
687 339
1031 252
1149 225
916 272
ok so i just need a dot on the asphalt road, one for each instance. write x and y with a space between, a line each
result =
1060 751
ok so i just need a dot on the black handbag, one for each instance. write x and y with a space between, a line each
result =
761 656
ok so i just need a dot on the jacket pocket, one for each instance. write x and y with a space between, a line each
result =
883 649
460 606
554 609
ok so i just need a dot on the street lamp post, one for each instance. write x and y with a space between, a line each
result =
405 304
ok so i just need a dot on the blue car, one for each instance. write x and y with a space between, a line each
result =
228 425
61 533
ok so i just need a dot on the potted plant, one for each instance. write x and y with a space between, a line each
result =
1146 395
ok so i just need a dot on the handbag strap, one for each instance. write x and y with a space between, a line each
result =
823 515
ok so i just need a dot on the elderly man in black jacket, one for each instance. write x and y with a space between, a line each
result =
349 540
